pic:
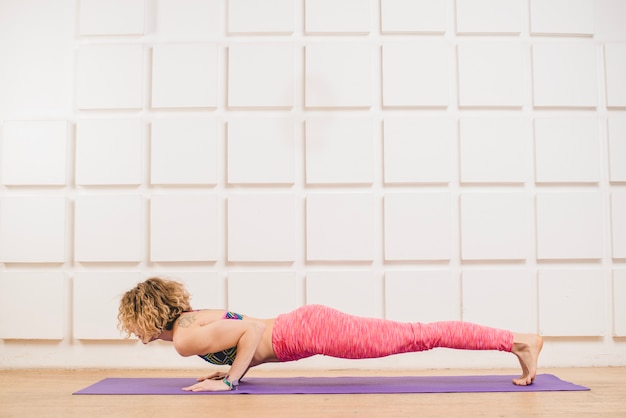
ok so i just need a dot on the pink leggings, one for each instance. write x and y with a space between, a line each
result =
316 329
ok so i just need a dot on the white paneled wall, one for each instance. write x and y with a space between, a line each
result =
408 159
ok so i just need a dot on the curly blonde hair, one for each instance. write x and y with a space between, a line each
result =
152 306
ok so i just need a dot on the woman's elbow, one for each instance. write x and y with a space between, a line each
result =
183 349
257 329
260 327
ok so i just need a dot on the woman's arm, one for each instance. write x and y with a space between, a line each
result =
217 336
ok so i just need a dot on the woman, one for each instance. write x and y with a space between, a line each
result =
160 309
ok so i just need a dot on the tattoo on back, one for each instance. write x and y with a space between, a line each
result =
187 320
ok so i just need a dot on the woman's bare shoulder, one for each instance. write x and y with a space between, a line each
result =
199 317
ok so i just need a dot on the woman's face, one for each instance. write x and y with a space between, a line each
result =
143 339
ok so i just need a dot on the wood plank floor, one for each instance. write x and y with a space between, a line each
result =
48 393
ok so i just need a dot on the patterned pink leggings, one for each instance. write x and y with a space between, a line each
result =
316 329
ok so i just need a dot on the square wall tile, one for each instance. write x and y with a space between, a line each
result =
565 74
108 228
261 227
608 19
562 17
32 229
197 19
491 73
569 225
617 149
618 224
109 151
184 76
244 289
338 74
45 294
278 16
261 75
507 289
414 16
509 144
572 303
494 226
261 150
340 227
615 62
567 150
96 297
340 150
418 226
419 150
184 151
111 17
184 228
422 296
619 303
109 77
337 16
489 16
34 153
353 292
416 73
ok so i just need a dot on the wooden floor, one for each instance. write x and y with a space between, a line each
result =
48 393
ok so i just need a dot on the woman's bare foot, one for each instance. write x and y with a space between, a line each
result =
527 348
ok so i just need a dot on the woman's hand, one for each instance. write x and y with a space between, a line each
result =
208 385
214 376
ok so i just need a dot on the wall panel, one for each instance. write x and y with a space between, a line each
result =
417 160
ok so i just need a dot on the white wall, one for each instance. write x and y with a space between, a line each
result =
408 159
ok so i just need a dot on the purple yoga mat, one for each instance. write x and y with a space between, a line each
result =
329 385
